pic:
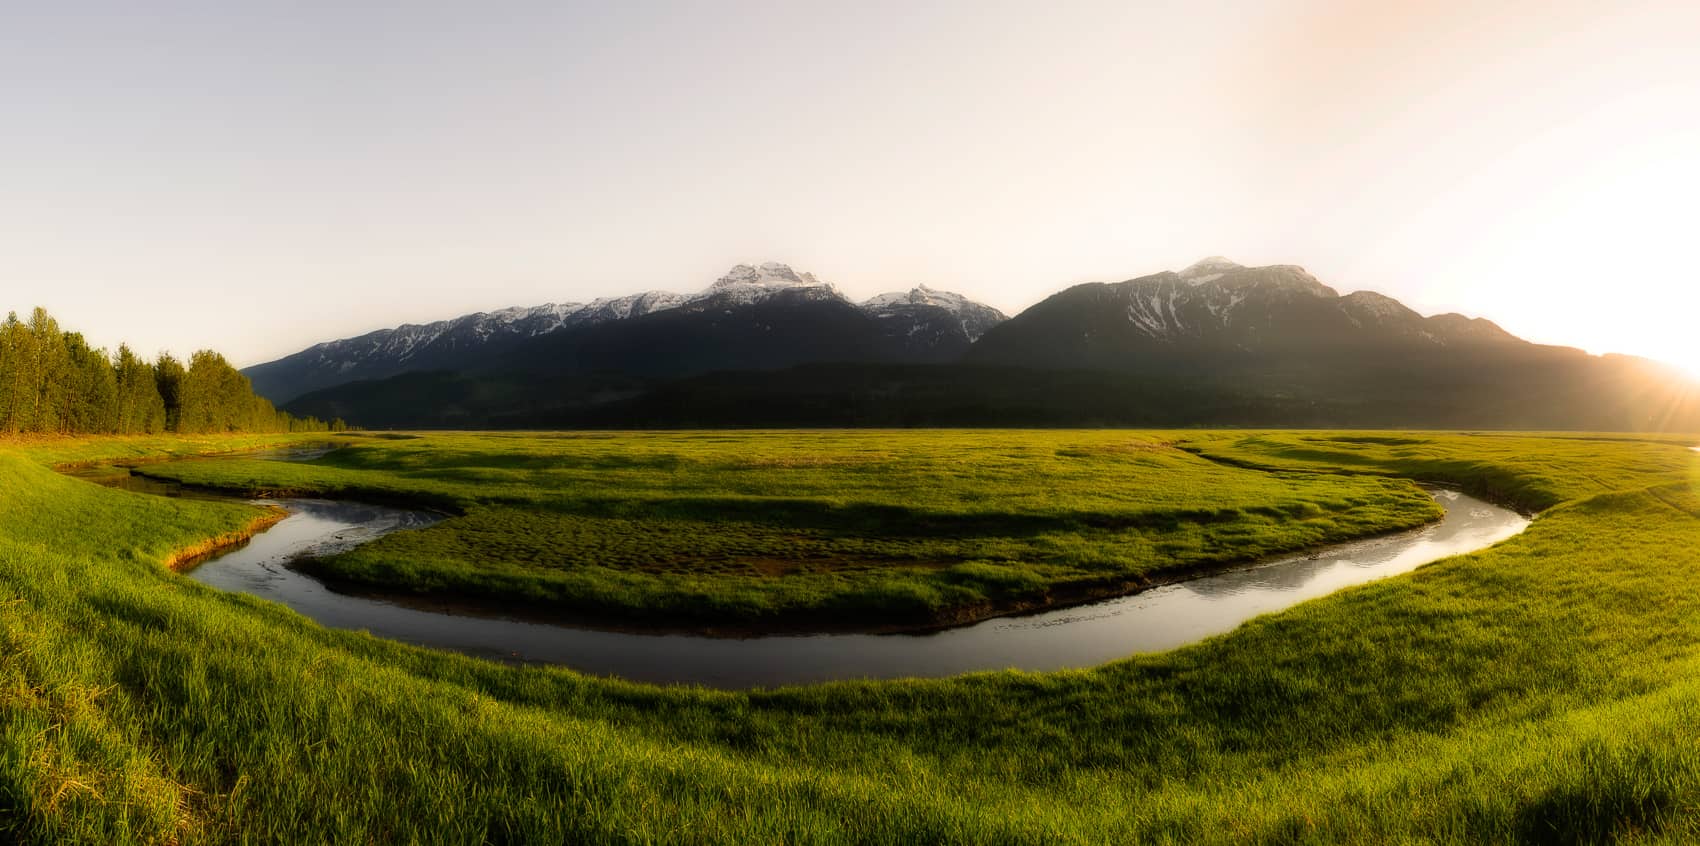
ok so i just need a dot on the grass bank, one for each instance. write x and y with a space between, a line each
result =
811 530
1544 691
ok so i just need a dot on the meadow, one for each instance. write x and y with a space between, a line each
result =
1545 690
808 530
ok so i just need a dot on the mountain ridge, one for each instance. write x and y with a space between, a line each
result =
1216 343
1215 307
467 340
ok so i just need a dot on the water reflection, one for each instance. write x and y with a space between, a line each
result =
314 527
1162 618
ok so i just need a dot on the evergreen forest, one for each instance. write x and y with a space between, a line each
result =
52 382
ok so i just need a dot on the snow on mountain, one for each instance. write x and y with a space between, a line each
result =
744 284
402 342
1207 296
769 275
919 295
1208 270
620 308
447 343
1218 310
973 318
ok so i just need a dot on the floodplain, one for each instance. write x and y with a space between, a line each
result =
1542 690
760 531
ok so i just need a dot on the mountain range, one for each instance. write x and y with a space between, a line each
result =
1216 343
763 316
1213 308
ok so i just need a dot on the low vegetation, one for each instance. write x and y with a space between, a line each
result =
811 529
1546 690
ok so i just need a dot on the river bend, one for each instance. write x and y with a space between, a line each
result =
1080 636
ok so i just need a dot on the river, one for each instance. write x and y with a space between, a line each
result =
1081 636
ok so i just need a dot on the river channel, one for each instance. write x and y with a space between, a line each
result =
1081 636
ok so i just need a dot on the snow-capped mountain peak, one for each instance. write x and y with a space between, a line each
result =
747 284
922 321
920 295
1209 270
766 275
971 317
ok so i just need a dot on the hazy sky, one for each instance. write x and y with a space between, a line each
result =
258 176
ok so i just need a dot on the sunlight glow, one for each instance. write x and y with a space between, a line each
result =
1526 161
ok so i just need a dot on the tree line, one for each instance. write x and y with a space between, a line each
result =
53 382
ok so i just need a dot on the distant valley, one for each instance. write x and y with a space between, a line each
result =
1215 343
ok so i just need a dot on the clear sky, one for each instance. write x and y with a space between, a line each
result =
258 176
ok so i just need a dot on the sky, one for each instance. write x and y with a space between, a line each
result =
256 177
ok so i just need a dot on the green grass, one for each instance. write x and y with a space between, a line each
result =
1544 691
1531 472
810 529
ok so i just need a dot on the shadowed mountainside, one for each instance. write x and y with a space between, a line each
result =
1215 344
756 317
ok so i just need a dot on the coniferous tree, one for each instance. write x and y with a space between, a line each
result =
141 410
53 382
90 389
52 373
198 407
217 398
168 376
204 409
17 379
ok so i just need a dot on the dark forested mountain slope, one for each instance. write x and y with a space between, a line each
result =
755 316
1214 344
1217 310
924 325
727 330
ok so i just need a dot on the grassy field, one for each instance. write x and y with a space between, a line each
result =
812 529
1544 691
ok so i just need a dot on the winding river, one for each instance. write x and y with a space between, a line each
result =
1081 636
